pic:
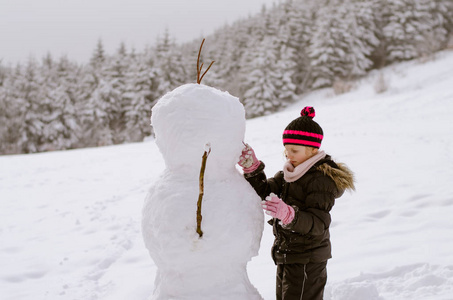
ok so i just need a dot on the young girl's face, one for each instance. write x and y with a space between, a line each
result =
297 154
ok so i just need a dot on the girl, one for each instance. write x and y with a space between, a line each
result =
299 198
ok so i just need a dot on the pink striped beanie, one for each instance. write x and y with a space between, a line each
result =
303 130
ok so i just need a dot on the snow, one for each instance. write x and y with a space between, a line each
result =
70 221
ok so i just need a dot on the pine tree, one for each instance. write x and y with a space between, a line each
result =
67 93
3 73
299 23
6 134
284 72
27 93
437 35
259 26
446 7
285 65
95 129
410 29
327 48
231 45
103 111
140 89
104 103
12 111
361 34
98 58
118 101
343 42
169 65
379 15
55 110
90 126
261 95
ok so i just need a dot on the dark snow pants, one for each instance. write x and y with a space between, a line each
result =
301 282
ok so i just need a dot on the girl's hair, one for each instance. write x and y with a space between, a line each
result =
306 149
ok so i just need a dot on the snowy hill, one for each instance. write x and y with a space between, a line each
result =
70 221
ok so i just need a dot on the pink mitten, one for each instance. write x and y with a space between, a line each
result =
276 208
248 160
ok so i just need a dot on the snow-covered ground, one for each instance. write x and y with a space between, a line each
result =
70 221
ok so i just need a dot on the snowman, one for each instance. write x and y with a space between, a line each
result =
190 122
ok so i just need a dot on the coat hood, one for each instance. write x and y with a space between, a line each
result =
340 174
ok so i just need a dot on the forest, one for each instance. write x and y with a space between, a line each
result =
267 60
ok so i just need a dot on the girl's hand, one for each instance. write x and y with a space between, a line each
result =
248 160
276 208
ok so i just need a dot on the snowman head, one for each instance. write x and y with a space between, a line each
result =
194 117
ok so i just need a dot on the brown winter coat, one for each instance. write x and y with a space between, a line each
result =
306 239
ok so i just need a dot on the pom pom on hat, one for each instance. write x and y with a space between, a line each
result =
308 111
303 130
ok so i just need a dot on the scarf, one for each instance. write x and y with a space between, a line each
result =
292 174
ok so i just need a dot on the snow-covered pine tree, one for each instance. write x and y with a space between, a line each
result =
4 145
344 38
407 26
13 109
361 34
328 47
260 27
103 109
118 99
259 85
169 64
56 110
285 56
447 8
230 44
69 91
189 52
98 57
105 106
3 73
437 36
299 17
94 127
378 17
140 91
8 134
27 95
284 71
88 83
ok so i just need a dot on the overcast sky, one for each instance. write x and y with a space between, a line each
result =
73 27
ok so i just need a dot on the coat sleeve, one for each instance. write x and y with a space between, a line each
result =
315 218
262 185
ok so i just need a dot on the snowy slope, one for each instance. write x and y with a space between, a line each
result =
70 221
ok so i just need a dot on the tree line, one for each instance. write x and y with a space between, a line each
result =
267 60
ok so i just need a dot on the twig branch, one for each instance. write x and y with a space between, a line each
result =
200 67
200 195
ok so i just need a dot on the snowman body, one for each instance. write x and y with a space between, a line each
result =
187 121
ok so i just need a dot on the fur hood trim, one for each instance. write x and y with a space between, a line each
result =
342 176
